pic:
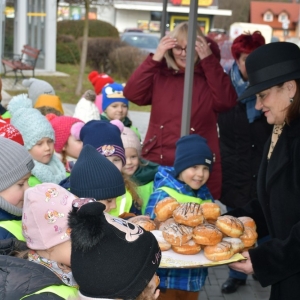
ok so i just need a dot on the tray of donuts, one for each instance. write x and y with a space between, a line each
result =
195 235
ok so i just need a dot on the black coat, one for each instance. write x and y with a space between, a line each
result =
20 277
241 145
277 262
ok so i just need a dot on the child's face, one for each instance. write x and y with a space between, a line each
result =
73 147
43 150
132 161
116 160
195 176
109 203
117 111
15 193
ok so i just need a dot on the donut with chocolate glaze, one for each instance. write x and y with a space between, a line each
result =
177 234
220 251
188 214
230 226
207 234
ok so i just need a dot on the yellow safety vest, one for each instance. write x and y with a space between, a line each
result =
14 227
33 181
181 197
123 204
145 192
60 290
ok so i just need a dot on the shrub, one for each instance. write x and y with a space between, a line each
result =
65 38
124 60
67 53
97 28
98 52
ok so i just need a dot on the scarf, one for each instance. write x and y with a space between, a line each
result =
62 271
277 130
11 209
127 122
240 86
53 172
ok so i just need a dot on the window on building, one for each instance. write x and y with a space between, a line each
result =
283 17
268 16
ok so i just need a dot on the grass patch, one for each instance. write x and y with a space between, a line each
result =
65 86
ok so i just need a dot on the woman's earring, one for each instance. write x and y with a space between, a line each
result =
291 100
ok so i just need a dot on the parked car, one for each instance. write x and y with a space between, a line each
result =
145 41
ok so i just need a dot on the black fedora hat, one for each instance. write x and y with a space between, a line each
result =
270 65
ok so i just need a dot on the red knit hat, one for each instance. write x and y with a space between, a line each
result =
99 80
10 132
63 128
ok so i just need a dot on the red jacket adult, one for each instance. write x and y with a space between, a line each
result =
153 83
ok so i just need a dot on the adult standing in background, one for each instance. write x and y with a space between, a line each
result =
243 133
159 81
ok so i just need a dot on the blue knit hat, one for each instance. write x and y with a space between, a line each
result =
105 137
192 150
32 125
94 176
113 93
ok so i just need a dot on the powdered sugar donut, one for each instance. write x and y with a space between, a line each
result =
163 244
177 234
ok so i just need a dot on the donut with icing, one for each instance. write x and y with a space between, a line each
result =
188 214
177 234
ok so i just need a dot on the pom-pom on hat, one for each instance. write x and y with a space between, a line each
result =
29 121
10 132
95 176
15 163
113 93
63 128
99 80
192 150
105 137
131 140
45 216
120 255
37 87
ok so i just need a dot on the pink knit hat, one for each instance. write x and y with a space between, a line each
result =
131 140
45 216
64 126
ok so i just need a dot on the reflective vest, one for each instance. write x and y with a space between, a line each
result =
145 192
181 197
6 115
62 291
14 227
123 204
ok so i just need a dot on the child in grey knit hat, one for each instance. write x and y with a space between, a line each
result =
15 167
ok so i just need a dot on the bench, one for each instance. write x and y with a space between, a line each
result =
19 63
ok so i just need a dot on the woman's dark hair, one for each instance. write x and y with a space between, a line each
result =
293 110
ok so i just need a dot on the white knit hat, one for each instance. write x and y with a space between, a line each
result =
131 140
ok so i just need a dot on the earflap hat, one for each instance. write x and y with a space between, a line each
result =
270 65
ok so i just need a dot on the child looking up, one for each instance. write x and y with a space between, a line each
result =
15 167
38 136
67 140
94 176
105 248
186 183
43 271
141 171
106 138
115 105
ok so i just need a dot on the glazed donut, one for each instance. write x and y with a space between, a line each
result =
163 244
221 251
230 226
249 237
188 248
144 222
207 234
188 214
236 244
248 222
164 208
210 211
166 223
177 234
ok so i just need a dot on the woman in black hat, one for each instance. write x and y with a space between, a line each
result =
274 76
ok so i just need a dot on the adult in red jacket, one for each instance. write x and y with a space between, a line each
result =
159 81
